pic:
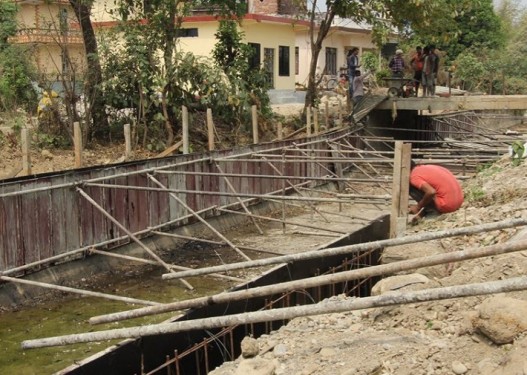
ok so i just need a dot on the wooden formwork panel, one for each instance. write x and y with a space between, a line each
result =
47 216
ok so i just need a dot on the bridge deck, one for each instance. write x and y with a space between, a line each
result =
457 103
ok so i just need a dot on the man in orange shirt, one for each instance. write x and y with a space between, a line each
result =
434 187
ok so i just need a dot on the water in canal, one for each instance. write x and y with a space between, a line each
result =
70 315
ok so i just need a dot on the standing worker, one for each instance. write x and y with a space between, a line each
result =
434 188
417 63
352 60
396 64
358 86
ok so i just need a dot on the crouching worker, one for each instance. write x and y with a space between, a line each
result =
434 188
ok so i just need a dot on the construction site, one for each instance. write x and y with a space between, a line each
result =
282 242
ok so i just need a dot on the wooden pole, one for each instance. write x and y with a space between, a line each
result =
340 113
325 307
184 122
127 142
254 115
78 291
203 221
77 142
302 284
308 121
428 236
279 131
315 121
400 188
210 129
326 114
130 234
26 152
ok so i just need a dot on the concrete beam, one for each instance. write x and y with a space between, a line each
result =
457 103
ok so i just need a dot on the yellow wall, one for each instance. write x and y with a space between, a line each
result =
267 35
273 36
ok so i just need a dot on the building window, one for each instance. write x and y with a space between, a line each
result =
185 33
297 60
283 61
269 65
331 61
255 58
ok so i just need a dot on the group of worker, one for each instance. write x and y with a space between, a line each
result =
424 64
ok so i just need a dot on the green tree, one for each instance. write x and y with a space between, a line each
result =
480 29
16 71
249 84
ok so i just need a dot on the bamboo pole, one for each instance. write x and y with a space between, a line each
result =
202 220
347 197
325 307
78 291
130 234
77 143
26 151
231 188
185 129
210 129
254 116
428 236
147 261
302 284
127 142
281 177
279 131
308 121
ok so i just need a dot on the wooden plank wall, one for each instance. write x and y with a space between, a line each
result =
40 224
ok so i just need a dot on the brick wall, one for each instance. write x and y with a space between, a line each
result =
264 6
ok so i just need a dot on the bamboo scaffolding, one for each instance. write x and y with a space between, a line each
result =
78 291
202 220
325 307
275 177
219 243
147 261
310 204
130 234
238 198
260 196
284 221
355 248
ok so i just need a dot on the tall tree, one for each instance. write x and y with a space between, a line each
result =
480 28
93 78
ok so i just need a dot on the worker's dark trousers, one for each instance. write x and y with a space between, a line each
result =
417 195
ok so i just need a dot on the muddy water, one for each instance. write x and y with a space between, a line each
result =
68 315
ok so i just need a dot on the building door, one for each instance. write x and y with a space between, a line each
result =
269 65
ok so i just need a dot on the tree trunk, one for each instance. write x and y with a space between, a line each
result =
93 78
316 47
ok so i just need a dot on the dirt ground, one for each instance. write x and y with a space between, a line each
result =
472 335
